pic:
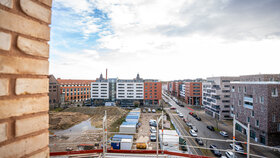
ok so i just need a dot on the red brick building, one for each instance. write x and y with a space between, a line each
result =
152 92
171 87
193 93
75 90
177 88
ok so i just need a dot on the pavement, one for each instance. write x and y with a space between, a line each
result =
222 125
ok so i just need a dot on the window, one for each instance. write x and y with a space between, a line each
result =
239 89
248 119
273 118
257 123
261 98
236 115
239 102
252 113
274 92
232 89
245 89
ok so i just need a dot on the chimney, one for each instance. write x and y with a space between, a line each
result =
106 73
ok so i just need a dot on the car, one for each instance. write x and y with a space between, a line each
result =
177 111
172 108
144 110
191 113
229 154
149 110
194 128
214 150
193 133
153 137
181 115
153 111
211 128
194 115
237 148
198 118
199 141
153 123
153 130
189 124
181 105
224 133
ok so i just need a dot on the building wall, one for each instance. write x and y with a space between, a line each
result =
75 90
265 112
130 89
193 94
100 90
24 70
54 92
152 91
260 77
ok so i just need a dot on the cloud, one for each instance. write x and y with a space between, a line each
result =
163 39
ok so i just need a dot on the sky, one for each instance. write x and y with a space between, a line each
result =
164 39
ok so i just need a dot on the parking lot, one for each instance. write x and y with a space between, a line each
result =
144 129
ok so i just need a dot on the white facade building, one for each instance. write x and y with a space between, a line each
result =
216 96
183 90
100 90
130 89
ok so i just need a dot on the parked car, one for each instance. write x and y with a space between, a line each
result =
198 118
144 110
153 111
211 128
153 137
215 150
181 115
177 111
193 133
194 115
237 148
189 124
149 110
194 128
172 108
153 123
153 130
229 154
181 105
199 141
224 133
191 113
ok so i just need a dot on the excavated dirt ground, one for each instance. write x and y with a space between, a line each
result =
72 116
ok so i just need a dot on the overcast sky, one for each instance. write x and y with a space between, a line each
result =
164 39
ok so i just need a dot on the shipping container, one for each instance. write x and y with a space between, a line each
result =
117 139
128 127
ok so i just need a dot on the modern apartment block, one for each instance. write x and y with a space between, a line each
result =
125 91
182 90
171 87
152 92
177 88
75 90
193 95
216 96
258 103
54 92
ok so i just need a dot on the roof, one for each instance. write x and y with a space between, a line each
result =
129 123
123 136
255 82
132 117
70 81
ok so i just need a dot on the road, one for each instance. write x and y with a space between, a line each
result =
202 130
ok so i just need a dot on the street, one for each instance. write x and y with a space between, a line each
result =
202 131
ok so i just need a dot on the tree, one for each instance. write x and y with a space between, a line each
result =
136 103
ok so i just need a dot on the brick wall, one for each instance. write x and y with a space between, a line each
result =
24 68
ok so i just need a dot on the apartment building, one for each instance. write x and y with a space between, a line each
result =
258 103
183 90
193 93
126 91
216 96
54 92
260 77
177 88
152 92
171 87
75 90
